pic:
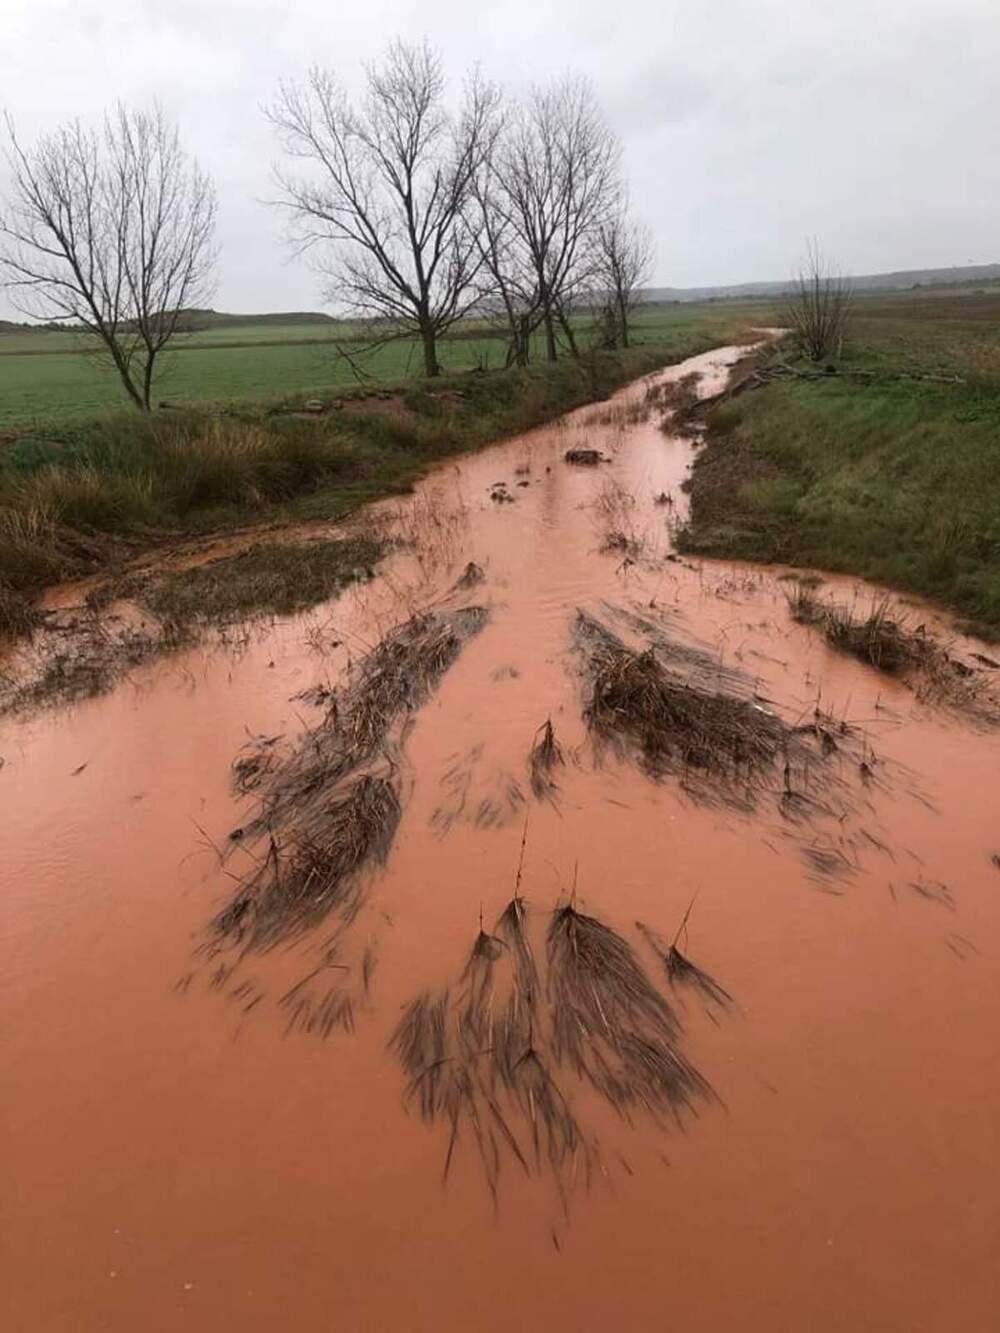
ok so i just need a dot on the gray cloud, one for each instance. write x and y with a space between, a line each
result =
747 124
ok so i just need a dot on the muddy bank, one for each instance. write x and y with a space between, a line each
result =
808 1144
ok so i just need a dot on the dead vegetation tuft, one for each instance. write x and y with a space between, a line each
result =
82 657
680 970
892 645
330 807
311 871
497 1065
18 617
608 1020
471 577
545 756
676 401
254 762
619 543
679 712
679 724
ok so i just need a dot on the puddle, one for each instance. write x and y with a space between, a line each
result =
178 1158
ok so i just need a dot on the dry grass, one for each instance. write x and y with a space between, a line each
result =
677 722
329 809
310 871
676 400
676 710
81 658
609 1023
892 645
619 543
18 618
680 970
498 1065
545 756
876 638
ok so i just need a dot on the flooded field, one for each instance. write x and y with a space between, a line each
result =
551 932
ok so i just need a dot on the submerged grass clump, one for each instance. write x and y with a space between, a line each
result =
680 970
679 723
78 656
312 871
498 1056
609 1023
890 644
875 638
276 577
545 756
330 808
90 658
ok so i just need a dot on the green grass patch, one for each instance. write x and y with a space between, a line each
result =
274 577
892 476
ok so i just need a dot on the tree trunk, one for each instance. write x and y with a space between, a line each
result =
147 383
550 337
431 367
570 336
124 375
623 316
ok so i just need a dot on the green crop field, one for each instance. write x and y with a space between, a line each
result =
54 377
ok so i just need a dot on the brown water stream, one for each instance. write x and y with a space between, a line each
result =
173 1162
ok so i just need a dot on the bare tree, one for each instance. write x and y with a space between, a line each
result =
818 307
510 297
555 183
111 230
625 252
385 185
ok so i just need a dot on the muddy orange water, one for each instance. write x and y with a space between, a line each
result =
171 1162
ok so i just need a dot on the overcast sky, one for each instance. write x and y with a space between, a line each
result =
747 124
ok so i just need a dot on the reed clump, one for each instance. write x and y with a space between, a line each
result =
891 644
665 707
498 1055
330 807
545 756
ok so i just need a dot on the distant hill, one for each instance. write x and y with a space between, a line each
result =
193 320
968 275
215 319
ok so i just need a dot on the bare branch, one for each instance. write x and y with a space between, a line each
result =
819 307
111 231
555 183
381 190
625 259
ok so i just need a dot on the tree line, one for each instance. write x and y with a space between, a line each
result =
417 212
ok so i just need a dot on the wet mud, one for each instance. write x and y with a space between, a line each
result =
548 932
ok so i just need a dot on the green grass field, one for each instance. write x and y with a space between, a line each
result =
892 473
50 377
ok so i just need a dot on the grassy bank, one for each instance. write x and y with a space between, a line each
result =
887 469
76 499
